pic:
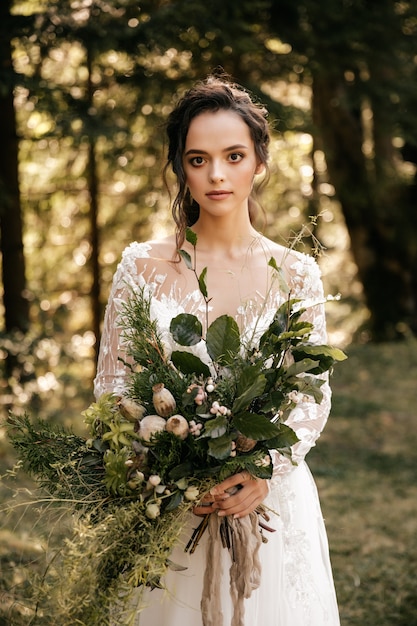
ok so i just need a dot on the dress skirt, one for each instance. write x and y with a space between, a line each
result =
296 586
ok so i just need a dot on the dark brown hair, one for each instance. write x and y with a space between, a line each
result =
212 94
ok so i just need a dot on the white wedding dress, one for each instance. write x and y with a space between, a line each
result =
296 584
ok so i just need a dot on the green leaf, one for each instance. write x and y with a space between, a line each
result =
220 447
180 471
299 367
189 396
273 263
283 285
325 355
280 324
186 329
251 384
188 363
309 385
255 426
273 402
216 427
191 237
300 329
187 258
223 340
174 501
236 464
285 439
294 334
202 282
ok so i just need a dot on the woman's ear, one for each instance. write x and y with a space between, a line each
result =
260 168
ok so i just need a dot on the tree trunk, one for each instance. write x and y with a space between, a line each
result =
13 272
380 221
94 232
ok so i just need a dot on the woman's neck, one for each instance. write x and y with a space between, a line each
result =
224 237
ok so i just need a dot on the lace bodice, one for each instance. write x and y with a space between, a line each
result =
307 419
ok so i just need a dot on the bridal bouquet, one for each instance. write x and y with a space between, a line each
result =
184 425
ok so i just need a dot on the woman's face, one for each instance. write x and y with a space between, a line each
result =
220 162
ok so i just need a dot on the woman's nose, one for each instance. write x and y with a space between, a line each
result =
216 172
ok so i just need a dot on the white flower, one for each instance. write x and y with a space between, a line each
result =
191 493
216 409
295 396
195 428
154 480
152 510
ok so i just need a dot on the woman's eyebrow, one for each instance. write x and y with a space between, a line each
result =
228 149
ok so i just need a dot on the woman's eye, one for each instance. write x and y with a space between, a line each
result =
197 161
235 157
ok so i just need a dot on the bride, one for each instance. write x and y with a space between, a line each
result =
218 145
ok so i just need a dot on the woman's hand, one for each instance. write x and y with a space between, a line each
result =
238 495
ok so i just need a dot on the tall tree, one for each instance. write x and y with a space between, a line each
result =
355 58
360 59
16 310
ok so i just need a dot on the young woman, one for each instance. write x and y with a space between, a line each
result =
218 145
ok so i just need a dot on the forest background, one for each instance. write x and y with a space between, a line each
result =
85 86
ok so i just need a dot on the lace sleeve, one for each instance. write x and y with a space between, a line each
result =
112 374
308 418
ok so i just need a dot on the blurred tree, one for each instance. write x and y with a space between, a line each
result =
357 61
16 309
98 77
360 57
78 84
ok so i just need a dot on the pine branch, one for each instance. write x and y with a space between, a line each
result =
57 459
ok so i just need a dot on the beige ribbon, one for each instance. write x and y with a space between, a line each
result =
245 570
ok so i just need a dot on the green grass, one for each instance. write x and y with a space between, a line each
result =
365 465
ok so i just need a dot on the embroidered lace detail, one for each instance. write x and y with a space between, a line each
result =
300 558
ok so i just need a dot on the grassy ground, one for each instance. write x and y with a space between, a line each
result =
365 467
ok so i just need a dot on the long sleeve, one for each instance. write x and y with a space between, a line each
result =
112 374
308 418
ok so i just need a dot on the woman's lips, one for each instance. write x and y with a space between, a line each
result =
218 195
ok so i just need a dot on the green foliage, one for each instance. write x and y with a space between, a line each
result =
189 363
93 592
62 462
250 385
158 465
223 340
142 333
186 329
365 469
324 357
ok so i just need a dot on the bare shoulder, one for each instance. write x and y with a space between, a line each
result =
283 255
293 262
